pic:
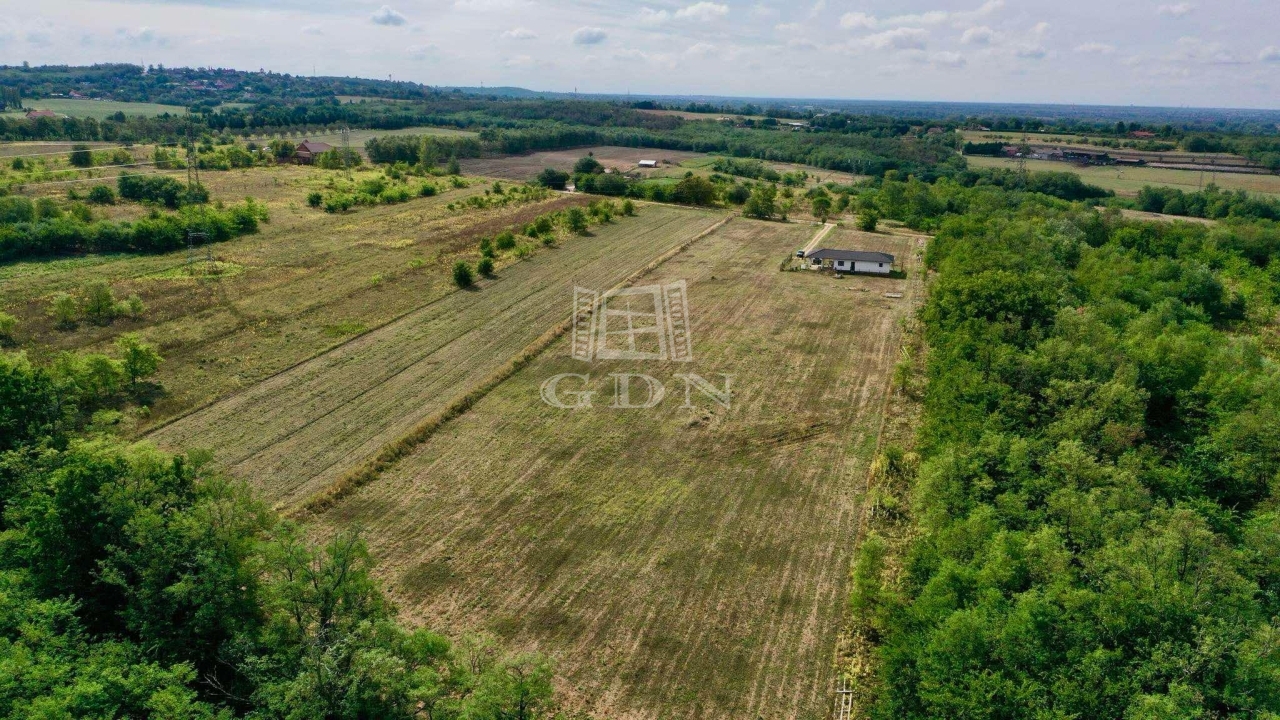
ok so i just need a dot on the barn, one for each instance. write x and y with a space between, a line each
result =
851 261
307 151
648 163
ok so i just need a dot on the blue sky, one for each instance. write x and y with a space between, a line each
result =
1140 52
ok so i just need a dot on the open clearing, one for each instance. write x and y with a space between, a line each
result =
526 167
96 109
303 429
1129 180
307 282
675 563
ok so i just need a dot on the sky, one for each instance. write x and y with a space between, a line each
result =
1209 53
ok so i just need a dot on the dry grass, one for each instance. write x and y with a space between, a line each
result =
304 274
526 167
306 428
676 563
1129 180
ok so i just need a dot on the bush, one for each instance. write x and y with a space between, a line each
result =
99 304
505 240
8 324
81 156
867 220
553 178
315 198
102 195
428 189
63 309
485 266
576 220
628 207
137 359
587 165
462 276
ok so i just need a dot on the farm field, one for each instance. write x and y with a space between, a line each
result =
359 136
674 563
96 109
526 167
1129 180
305 283
299 431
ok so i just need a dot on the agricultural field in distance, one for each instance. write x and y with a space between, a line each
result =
306 282
360 136
96 109
526 167
1127 181
675 563
302 430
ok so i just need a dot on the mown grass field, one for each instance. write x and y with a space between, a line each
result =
306 282
675 563
1129 180
302 430
526 167
96 109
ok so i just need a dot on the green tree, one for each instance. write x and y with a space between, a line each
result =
99 304
587 165
8 324
867 220
553 178
763 202
102 195
454 167
81 156
64 310
138 359
485 267
695 190
576 220
628 207
821 206
462 276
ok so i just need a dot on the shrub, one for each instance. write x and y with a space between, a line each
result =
553 178
576 220
867 220
485 267
102 195
8 324
63 309
315 198
133 307
81 156
428 189
505 240
587 165
462 276
628 207
99 304
138 360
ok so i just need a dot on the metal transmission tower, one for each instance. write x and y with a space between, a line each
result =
193 163
346 149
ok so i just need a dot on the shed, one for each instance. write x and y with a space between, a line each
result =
855 261
307 151
648 163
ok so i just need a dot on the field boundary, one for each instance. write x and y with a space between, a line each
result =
394 451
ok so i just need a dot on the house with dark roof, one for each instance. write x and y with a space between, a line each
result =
33 114
307 151
851 261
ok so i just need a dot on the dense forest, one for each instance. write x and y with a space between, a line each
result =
1095 492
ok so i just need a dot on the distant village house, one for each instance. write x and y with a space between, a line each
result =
307 151
648 163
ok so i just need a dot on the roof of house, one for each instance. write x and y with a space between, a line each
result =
314 147
855 255
41 113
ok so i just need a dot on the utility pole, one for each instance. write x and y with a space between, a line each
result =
346 149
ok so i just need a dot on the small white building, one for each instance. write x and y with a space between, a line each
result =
850 261
648 163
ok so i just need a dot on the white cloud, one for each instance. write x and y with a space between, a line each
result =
1096 48
701 50
588 36
704 11
817 9
1040 28
519 34
421 52
933 17
980 35
1271 53
897 39
649 16
857 20
947 59
1177 10
386 16
789 27
1031 52
311 30
142 36
519 61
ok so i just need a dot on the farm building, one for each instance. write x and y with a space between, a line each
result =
307 151
851 261
648 163
33 114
